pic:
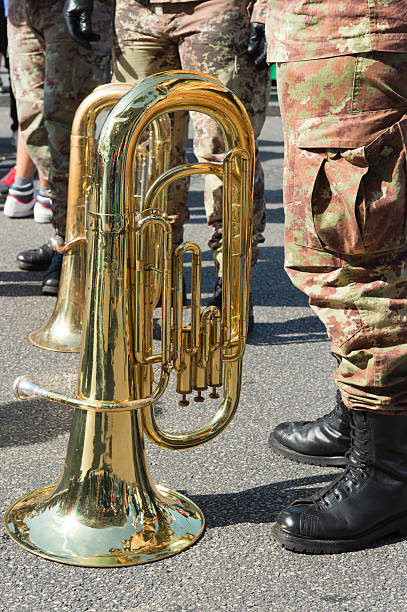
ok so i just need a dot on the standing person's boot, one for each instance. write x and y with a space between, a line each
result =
217 301
322 442
35 259
50 283
366 503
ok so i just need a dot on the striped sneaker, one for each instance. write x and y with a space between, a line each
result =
42 209
20 201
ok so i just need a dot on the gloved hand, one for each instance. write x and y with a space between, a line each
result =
78 20
257 47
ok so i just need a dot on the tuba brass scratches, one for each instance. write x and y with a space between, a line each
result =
106 511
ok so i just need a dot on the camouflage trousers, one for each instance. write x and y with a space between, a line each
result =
210 36
50 76
345 127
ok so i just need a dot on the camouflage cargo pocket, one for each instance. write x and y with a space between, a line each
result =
350 201
383 191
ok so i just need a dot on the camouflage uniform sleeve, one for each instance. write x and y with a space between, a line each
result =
259 11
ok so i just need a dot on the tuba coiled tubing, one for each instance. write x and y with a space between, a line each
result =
105 509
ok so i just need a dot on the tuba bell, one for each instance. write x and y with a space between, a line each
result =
106 511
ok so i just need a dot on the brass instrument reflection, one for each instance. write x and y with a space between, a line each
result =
145 539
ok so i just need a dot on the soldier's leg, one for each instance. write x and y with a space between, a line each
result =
27 77
71 73
218 45
344 198
337 298
143 47
346 248
27 68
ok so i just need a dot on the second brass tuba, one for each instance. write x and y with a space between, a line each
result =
106 511
63 331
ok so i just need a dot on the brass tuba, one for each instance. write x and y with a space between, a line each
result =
105 510
63 330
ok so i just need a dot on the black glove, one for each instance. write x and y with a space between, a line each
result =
257 47
77 15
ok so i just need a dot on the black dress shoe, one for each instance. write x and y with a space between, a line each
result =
368 501
322 442
53 274
216 300
35 259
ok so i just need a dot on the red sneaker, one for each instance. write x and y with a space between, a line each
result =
7 180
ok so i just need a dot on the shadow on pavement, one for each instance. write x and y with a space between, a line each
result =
275 215
17 283
7 150
19 276
257 505
294 331
266 155
23 290
22 423
270 284
274 196
268 143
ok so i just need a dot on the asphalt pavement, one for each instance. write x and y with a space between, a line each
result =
238 483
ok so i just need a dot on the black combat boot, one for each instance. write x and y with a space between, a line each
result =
321 442
217 301
35 259
50 283
368 501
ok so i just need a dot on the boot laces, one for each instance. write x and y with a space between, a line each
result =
327 416
335 415
355 471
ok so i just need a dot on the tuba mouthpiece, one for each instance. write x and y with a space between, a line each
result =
25 388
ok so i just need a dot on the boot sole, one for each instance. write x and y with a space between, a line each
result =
395 526
288 453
